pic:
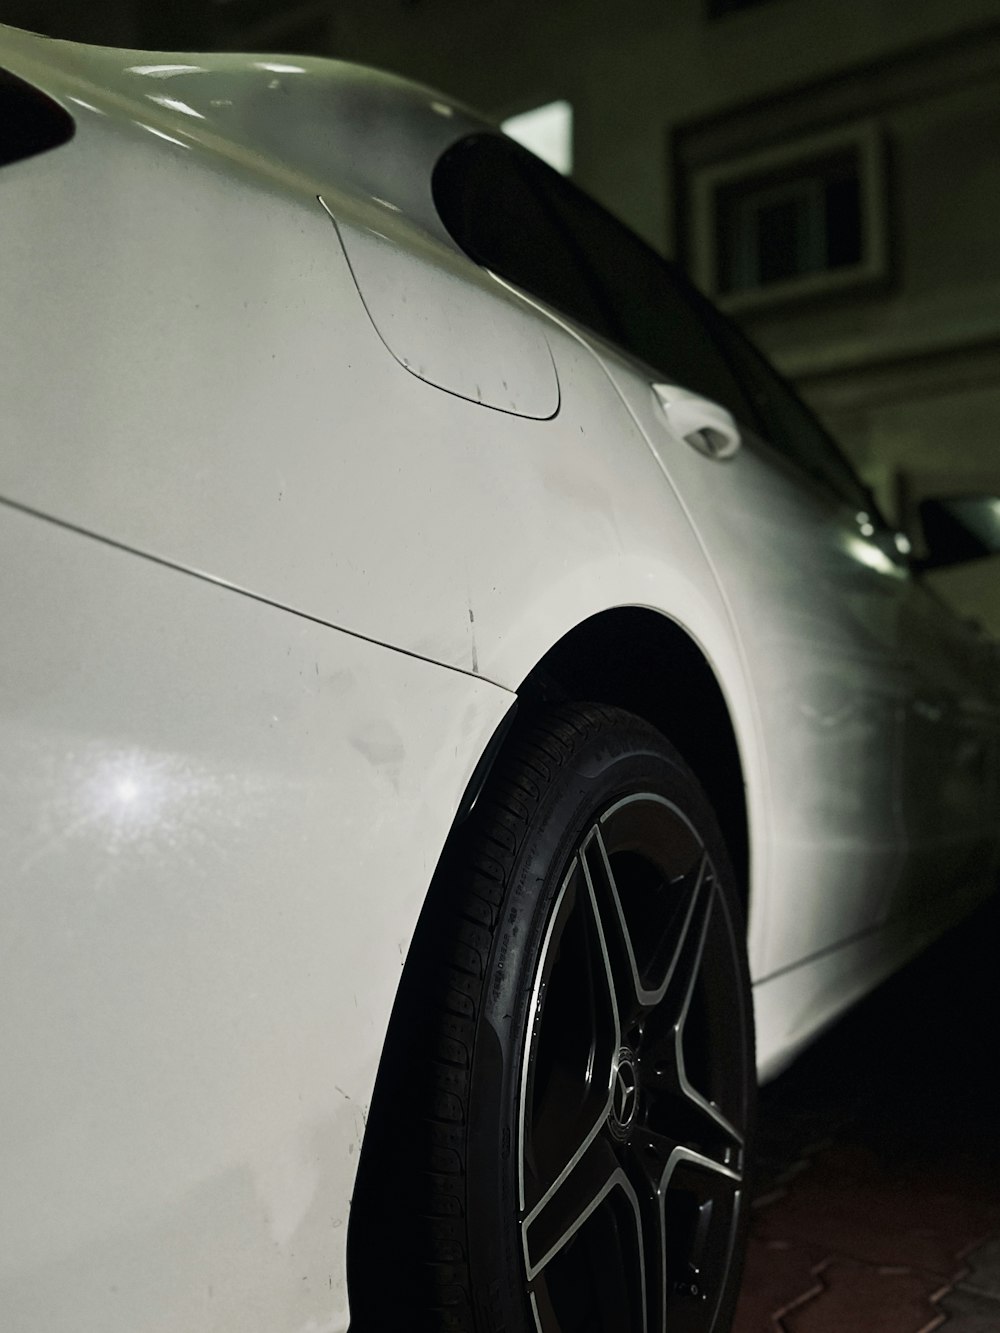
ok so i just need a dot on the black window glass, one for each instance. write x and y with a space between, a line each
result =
787 423
789 224
843 220
716 8
30 122
513 214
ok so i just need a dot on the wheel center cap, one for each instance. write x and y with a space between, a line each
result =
624 1092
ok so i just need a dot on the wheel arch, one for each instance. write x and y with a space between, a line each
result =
631 657
640 660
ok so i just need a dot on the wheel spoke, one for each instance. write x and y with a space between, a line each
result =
587 1180
623 970
664 1070
684 953
603 982
567 1082
700 1197
679 1239
667 1077
675 962
681 1156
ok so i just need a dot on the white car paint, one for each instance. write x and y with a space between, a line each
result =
276 565
219 822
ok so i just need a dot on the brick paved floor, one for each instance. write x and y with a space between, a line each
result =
878 1200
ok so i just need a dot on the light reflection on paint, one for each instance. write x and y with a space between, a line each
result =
132 795
867 554
278 67
173 104
162 134
128 806
442 108
163 71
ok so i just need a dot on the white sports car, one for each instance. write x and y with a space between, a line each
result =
448 681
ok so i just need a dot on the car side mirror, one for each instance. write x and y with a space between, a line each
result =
959 529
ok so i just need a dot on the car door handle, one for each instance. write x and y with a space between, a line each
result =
698 421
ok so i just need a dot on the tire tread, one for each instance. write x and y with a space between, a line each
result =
501 820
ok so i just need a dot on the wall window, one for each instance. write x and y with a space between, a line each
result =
799 220
716 8
770 229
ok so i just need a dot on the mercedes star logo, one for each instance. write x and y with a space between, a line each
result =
625 1095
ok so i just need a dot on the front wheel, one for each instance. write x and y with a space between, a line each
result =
588 1098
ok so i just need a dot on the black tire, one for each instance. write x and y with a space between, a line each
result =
580 1088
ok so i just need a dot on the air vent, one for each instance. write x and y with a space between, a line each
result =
30 122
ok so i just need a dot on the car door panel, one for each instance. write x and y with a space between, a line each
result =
815 604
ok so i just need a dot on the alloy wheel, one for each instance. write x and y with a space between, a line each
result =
633 1104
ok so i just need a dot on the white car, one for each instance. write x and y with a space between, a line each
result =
448 680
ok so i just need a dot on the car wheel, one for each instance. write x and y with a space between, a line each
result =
588 1084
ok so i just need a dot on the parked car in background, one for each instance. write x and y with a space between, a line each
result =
450 684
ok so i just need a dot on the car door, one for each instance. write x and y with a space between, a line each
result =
947 793
816 589
812 580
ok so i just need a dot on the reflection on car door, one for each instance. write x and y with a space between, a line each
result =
948 810
816 601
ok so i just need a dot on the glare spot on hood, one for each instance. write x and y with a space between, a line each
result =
87 106
174 104
162 134
278 67
164 71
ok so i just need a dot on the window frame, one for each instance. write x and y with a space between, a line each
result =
863 138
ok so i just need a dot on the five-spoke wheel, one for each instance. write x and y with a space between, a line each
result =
632 1129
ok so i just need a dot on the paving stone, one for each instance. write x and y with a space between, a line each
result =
776 1274
970 1312
860 1298
848 1204
984 1270
880 1174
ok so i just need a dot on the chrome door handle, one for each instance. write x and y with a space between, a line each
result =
698 421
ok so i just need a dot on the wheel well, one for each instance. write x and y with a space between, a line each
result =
641 661
635 659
